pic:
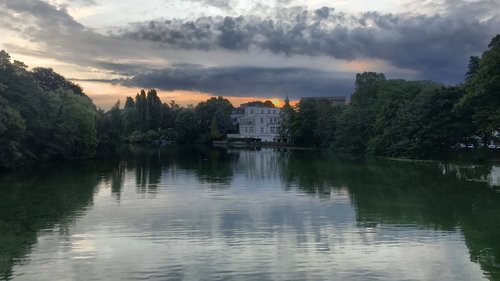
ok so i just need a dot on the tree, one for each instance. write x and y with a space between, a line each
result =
48 80
324 133
169 113
287 119
354 129
472 67
154 110
398 116
141 104
366 87
214 129
305 123
483 91
130 116
4 60
437 124
186 125
74 132
218 109
12 131
313 124
41 117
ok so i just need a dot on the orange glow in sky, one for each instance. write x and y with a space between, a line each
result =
105 95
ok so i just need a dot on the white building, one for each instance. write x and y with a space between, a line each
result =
257 121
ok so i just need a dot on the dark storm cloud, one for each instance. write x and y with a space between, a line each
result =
437 46
247 81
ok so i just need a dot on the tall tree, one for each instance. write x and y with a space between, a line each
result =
287 119
483 91
141 104
154 110
472 67
366 87
130 116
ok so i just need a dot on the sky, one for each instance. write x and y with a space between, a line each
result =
190 50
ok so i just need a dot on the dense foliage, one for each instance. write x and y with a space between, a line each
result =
146 119
45 116
42 116
398 118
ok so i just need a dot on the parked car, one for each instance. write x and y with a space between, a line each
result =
460 146
492 146
470 146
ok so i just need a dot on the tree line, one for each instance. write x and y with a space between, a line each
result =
145 118
398 118
45 116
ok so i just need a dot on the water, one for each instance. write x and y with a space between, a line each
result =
200 213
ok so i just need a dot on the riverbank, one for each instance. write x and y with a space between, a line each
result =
472 156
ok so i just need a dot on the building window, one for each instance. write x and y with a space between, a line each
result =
269 111
261 120
261 130
262 111
252 111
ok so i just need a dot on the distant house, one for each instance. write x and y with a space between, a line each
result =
337 100
257 120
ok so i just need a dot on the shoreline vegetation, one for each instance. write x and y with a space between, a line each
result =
44 116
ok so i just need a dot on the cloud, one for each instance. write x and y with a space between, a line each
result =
247 81
456 8
242 81
226 5
55 34
437 46
85 2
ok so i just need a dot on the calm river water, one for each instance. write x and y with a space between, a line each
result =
200 213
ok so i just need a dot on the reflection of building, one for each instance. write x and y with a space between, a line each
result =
257 120
260 164
338 100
